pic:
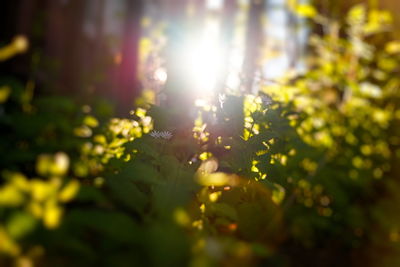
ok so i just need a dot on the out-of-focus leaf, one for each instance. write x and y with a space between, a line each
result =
20 224
306 10
69 191
4 93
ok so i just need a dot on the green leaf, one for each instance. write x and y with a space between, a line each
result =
127 193
20 224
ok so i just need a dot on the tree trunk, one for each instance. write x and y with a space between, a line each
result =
128 85
254 39
177 87
227 31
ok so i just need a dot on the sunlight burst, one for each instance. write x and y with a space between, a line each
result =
203 58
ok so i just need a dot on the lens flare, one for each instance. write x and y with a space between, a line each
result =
203 58
204 66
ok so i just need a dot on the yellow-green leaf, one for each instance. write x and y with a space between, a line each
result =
4 93
69 191
306 10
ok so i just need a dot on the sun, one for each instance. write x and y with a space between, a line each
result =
204 65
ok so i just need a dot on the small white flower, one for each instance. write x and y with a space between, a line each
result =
266 99
166 135
155 134
161 134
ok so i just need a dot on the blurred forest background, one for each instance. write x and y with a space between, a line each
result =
199 133
84 48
